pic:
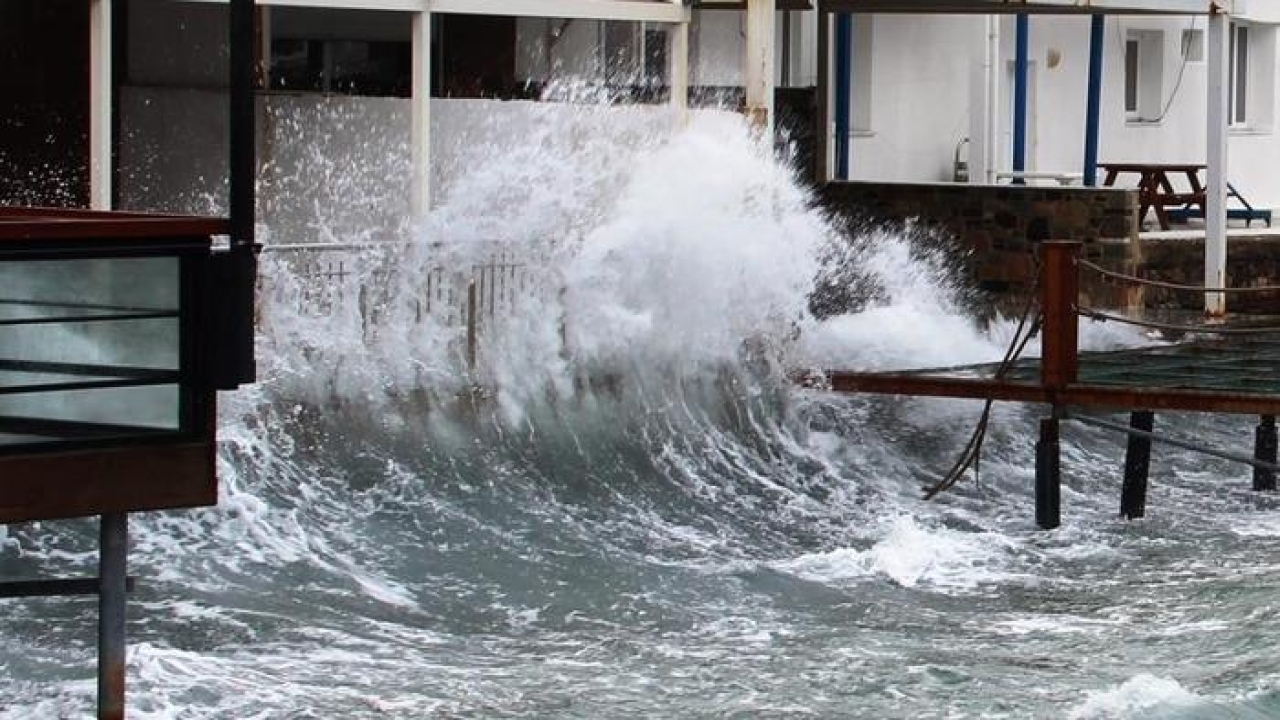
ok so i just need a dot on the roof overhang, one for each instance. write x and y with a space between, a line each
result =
1040 7
654 11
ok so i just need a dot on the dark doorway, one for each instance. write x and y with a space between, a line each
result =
476 56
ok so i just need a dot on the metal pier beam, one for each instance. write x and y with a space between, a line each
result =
113 550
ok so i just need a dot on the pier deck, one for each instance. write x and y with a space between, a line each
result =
1221 369
1204 375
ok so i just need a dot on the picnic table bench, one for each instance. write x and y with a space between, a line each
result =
1156 192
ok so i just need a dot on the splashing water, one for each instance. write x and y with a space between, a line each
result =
634 514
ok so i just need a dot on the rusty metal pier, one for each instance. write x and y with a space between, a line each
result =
1216 368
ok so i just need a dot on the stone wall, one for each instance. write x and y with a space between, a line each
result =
995 230
998 227
1252 261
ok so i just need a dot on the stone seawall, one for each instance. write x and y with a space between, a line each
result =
997 227
995 230
1252 261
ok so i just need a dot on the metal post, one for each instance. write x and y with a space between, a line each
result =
822 159
1048 475
1059 288
1097 37
243 174
759 65
420 114
1137 466
678 69
843 91
993 74
236 271
112 573
1215 189
473 337
100 104
1022 63
1264 449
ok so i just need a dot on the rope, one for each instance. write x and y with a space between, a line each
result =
1185 445
1152 325
1174 286
971 455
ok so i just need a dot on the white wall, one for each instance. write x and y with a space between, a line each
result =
921 95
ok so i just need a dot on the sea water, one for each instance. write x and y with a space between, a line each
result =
638 514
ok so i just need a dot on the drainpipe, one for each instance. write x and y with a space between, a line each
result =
991 132
1021 63
1096 38
844 91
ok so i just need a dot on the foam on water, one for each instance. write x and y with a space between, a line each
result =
913 556
1140 696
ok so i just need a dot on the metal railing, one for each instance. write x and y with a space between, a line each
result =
473 296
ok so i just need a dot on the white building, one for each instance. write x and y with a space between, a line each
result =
920 84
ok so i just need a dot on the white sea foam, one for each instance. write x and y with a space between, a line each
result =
912 555
1139 696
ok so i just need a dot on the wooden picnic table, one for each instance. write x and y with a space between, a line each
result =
1155 188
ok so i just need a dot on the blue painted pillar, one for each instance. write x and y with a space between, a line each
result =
1092 116
1021 63
843 91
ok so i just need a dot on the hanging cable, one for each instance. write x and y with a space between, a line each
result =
971 455
1152 325
1174 286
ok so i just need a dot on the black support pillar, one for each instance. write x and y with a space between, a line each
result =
112 578
1048 475
1264 449
1137 466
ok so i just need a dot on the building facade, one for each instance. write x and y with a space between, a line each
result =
930 95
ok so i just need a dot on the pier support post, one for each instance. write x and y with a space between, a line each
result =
1264 449
112 578
1048 475
420 115
1137 466
1218 70
759 66
1059 287
101 107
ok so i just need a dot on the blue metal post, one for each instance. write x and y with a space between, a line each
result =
843 91
1096 38
1021 61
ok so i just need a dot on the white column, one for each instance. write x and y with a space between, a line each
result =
759 64
1215 209
994 73
100 104
979 69
420 132
264 48
678 68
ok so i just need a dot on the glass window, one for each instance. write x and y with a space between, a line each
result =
98 357
1131 77
1239 81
